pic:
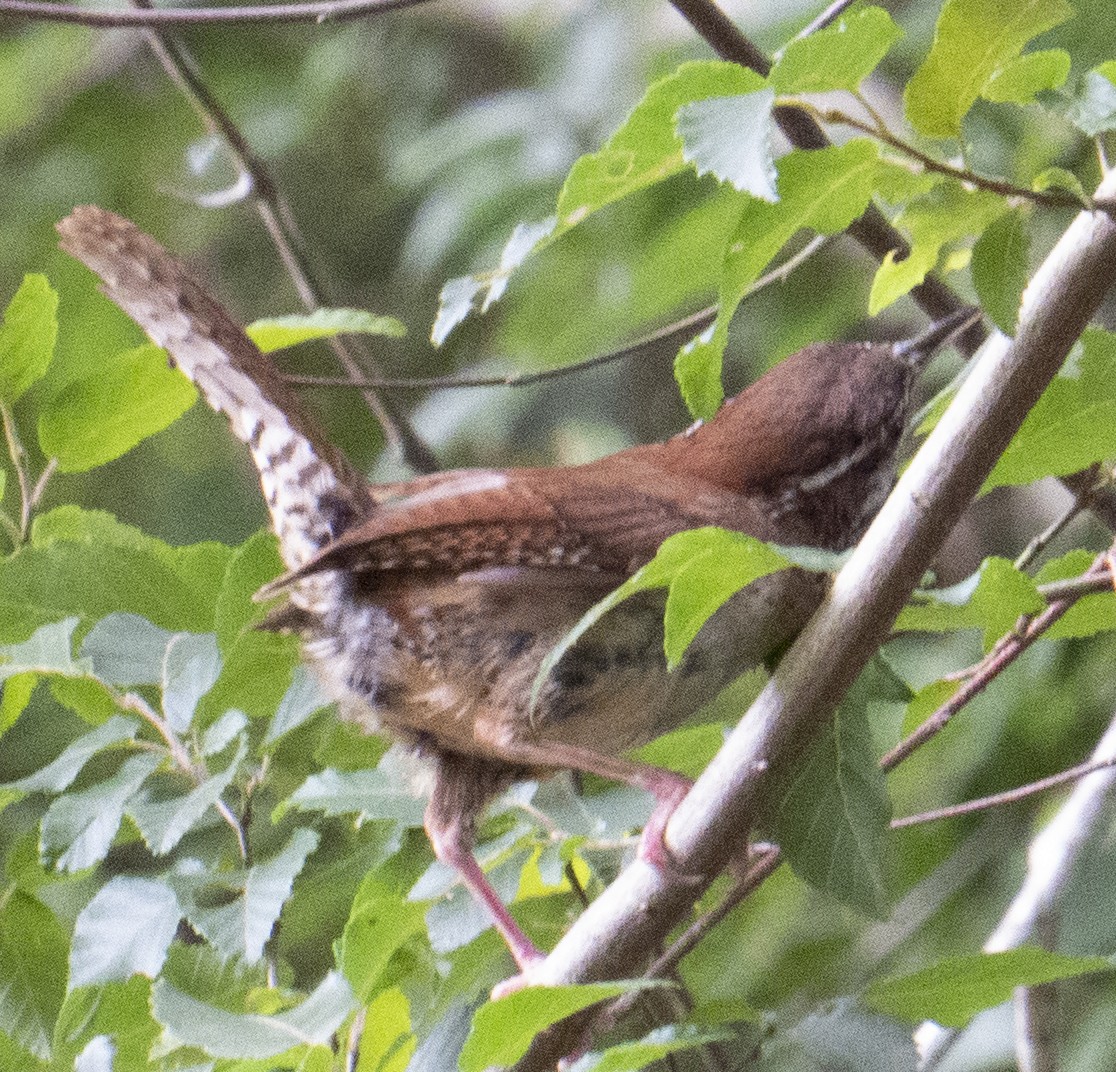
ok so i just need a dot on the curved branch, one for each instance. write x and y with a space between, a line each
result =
317 11
632 916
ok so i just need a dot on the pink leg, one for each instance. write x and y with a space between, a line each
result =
452 846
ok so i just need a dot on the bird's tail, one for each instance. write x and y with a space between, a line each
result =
312 491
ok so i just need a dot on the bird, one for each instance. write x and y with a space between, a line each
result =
428 606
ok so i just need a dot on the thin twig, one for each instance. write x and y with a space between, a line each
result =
1055 199
1081 501
285 236
1007 650
131 701
1008 796
695 322
321 11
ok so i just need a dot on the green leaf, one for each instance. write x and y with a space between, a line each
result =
99 417
646 149
127 649
373 794
659 1044
86 562
46 651
241 926
502 1030
1001 268
300 701
125 929
683 561
1019 80
993 599
380 923
251 566
461 296
1056 178
730 138
823 189
1073 424
1092 108
27 337
973 41
955 989
277 332
833 820
839 57
118 1011
947 214
220 1033
164 822
32 972
56 776
717 565
190 669
387 1044
79 828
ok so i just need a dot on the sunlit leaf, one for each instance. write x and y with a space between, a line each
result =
27 337
277 332
840 56
730 138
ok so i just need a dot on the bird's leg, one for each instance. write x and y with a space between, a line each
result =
462 787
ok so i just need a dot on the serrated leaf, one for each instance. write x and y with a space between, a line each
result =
502 1030
163 823
99 417
1018 81
78 828
277 332
373 794
973 40
56 776
955 989
824 190
840 56
1000 269
126 649
731 139
242 926
190 669
220 1033
32 972
461 296
1092 108
86 562
646 149
125 929
947 214
1073 424
833 820
27 337
250 567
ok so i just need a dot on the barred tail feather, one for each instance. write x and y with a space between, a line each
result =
312 491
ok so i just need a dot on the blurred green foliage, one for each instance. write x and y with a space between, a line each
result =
409 146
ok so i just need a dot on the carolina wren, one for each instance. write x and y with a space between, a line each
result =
429 605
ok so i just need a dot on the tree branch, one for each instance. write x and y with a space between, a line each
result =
320 11
644 904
